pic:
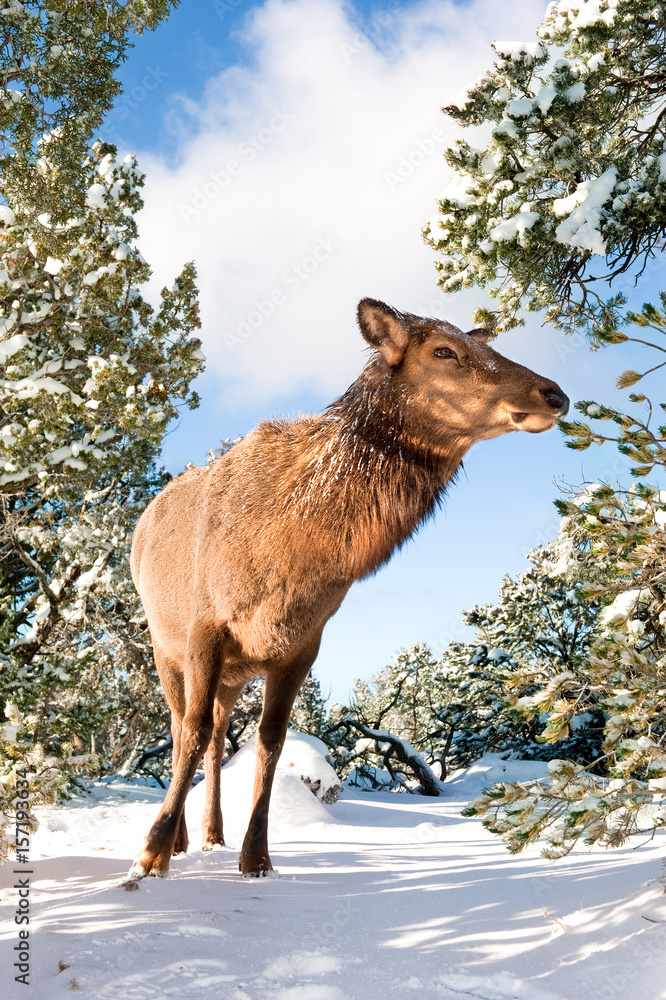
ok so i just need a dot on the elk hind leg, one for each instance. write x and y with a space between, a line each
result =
211 826
171 679
202 669
281 688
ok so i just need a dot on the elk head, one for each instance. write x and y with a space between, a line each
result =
453 383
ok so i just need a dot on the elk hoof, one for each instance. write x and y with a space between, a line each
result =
262 869
212 845
139 871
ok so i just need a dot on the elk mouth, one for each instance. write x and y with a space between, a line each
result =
533 423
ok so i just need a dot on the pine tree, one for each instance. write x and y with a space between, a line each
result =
472 710
95 377
401 701
570 191
541 629
92 375
448 711
611 549
246 714
309 712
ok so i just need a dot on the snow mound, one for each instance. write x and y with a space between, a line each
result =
304 783
308 756
492 767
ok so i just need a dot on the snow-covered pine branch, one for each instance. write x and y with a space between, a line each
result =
568 189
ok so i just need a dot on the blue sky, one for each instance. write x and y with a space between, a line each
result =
270 130
200 39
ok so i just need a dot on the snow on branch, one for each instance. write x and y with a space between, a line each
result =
392 747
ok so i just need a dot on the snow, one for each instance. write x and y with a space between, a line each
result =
461 98
518 51
588 494
520 108
585 13
381 896
303 760
583 209
575 93
623 605
53 265
7 217
28 388
437 225
489 163
95 196
458 191
10 347
105 163
506 127
517 226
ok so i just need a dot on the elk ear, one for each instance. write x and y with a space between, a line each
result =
482 335
385 328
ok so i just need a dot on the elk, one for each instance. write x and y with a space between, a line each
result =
241 564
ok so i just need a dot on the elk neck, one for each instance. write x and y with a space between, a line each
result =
366 481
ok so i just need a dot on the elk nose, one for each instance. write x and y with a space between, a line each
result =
556 398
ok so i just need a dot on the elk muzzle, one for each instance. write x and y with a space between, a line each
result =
544 417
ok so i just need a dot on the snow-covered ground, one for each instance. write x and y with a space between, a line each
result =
380 895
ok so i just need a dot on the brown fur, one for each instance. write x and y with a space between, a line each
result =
241 565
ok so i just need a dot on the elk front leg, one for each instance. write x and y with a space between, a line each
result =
211 826
281 689
202 669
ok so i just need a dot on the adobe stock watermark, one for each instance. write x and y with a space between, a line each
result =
457 631
292 279
22 883
249 149
408 165
621 980
438 307
224 7
131 99
371 34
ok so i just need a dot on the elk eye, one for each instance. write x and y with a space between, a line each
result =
445 352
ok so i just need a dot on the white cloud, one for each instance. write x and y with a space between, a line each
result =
303 179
